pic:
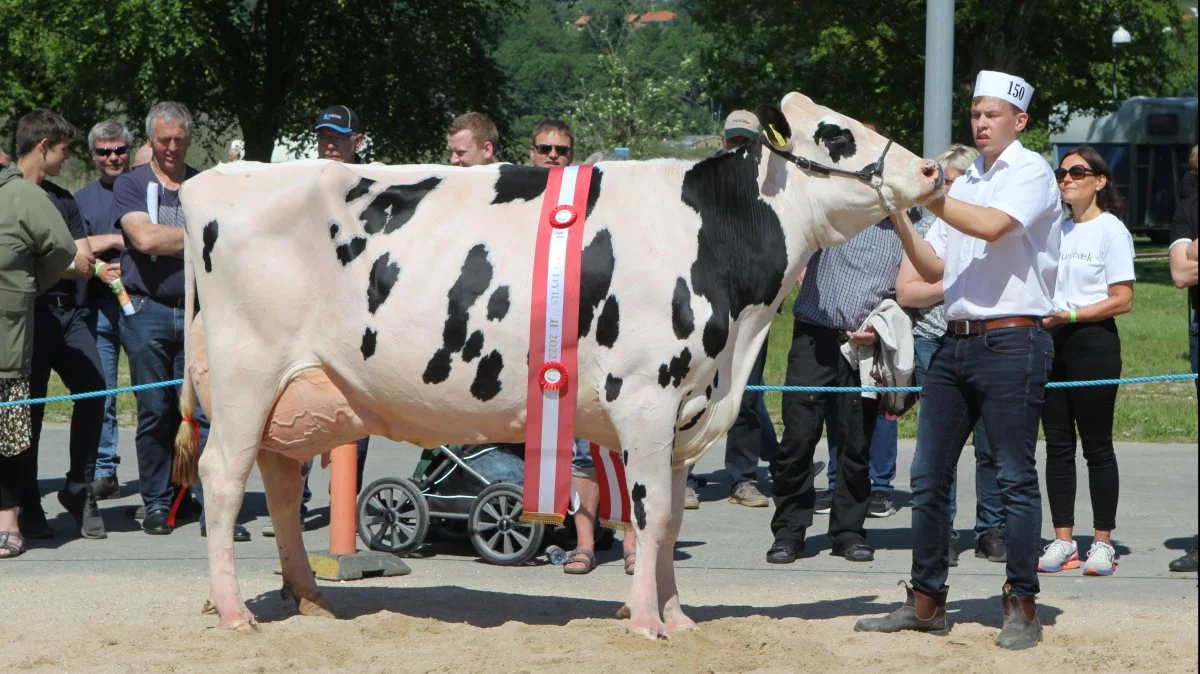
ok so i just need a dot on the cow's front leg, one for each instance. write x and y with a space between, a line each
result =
284 484
668 592
224 479
648 475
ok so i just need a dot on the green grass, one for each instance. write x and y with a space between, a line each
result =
1153 341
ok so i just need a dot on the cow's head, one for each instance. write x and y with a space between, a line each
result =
816 138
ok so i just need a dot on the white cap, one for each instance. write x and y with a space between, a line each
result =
1005 87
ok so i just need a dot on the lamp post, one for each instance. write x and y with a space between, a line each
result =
1120 36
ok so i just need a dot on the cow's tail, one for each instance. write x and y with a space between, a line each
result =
185 469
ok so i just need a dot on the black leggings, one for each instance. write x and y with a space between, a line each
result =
1083 351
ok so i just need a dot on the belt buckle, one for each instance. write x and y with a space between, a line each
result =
961 328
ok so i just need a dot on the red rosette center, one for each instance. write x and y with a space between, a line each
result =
552 376
562 217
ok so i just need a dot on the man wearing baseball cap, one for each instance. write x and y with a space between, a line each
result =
741 128
339 134
995 250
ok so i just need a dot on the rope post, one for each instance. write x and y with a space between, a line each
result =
343 488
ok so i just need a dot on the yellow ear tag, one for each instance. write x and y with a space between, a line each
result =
778 137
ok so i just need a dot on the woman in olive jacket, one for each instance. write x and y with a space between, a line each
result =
35 249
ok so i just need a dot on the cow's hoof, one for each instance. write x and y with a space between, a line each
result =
209 608
681 624
318 608
624 613
242 623
651 629
245 628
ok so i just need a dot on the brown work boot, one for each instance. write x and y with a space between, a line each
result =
1021 626
746 493
920 613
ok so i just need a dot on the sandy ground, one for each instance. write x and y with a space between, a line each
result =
131 602
153 623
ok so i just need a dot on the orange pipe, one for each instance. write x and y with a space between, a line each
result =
343 485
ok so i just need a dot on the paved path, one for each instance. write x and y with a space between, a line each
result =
720 554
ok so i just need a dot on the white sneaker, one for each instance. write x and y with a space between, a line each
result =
1101 560
1060 555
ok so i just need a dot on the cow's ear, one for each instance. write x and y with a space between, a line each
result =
775 126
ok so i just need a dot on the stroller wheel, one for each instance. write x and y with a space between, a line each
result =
392 516
496 531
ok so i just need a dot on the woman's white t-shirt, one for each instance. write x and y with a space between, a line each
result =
1093 255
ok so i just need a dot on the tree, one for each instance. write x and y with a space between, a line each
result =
267 65
866 58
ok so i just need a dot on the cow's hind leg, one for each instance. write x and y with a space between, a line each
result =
648 475
668 592
224 468
283 482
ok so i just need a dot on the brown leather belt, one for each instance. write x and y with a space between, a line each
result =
980 327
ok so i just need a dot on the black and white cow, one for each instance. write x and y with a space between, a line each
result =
343 300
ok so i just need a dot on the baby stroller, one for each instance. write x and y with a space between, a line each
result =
461 491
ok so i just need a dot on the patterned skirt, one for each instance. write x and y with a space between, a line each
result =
15 432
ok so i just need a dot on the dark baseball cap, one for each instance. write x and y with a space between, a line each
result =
339 118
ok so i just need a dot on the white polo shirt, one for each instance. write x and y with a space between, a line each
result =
1094 255
1014 276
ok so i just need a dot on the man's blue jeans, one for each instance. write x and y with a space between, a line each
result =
988 512
999 376
153 338
104 320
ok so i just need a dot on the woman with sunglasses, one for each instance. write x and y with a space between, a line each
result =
1095 283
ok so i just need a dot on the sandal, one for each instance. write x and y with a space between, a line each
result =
630 562
14 549
585 557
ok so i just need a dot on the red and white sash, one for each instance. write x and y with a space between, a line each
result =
614 494
553 338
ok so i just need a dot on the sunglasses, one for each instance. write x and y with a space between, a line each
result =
109 151
560 149
1076 172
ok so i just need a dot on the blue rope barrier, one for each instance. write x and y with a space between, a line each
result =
917 389
91 394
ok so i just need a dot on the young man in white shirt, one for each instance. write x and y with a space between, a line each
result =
995 248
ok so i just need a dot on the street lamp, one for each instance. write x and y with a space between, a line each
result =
1120 36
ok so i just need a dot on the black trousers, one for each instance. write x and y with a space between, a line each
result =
63 343
743 443
1083 351
815 360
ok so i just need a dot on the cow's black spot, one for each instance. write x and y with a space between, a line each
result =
520 182
487 376
608 326
612 387
368 343
692 422
351 249
683 321
498 304
674 373
639 508
593 190
395 205
595 277
473 347
716 378
741 256
625 458
384 273
839 141
437 370
210 240
708 393
360 188
333 230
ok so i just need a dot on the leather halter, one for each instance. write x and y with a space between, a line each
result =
871 174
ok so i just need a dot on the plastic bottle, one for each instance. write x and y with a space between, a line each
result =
557 555
118 289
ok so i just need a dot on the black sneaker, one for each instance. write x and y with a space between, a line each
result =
990 546
824 502
1186 563
881 505
82 506
105 488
